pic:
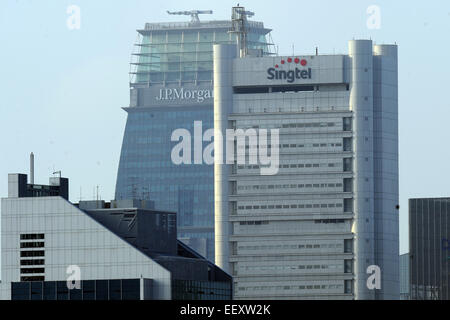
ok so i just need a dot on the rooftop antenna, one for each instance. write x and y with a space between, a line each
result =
240 27
193 13
32 168
58 172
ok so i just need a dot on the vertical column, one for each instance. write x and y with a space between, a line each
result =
223 104
386 168
361 103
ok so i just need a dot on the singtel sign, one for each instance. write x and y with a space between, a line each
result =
290 75
196 95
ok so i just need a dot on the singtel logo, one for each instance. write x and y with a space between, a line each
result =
290 75
197 95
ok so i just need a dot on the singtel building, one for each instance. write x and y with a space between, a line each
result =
171 87
311 228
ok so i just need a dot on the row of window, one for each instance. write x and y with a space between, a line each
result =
325 221
292 246
309 145
32 244
295 145
291 186
127 289
39 236
29 273
302 287
27 254
295 108
284 267
35 262
347 287
296 165
291 206
309 125
243 223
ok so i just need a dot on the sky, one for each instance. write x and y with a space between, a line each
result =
62 89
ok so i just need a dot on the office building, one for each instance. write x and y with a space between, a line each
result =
429 248
118 250
312 228
171 86
404 276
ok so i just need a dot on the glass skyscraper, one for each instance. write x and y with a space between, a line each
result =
429 247
170 88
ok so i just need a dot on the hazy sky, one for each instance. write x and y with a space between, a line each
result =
62 90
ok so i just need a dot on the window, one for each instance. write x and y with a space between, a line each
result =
347 124
348 286
88 290
32 236
348 245
32 253
36 291
32 244
130 289
348 266
101 292
20 290
49 290
32 262
62 292
115 290
32 270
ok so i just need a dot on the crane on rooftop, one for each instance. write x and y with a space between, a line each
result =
193 13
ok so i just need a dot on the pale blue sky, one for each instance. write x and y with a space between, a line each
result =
61 90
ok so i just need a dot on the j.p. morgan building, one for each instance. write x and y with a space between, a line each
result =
327 220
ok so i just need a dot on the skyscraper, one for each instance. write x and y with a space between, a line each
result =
171 86
429 248
326 218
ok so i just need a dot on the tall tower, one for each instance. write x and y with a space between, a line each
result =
171 87
327 219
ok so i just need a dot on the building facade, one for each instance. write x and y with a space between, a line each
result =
429 246
316 225
122 250
404 276
171 86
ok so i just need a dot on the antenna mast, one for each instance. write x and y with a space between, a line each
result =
239 26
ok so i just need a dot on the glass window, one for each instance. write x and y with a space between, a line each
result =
130 289
190 36
49 290
36 291
115 290
89 290
75 294
20 290
101 292
62 292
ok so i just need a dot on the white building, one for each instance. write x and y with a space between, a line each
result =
123 250
311 230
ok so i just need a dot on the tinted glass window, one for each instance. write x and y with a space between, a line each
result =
89 290
20 290
62 292
130 289
50 290
101 290
115 290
